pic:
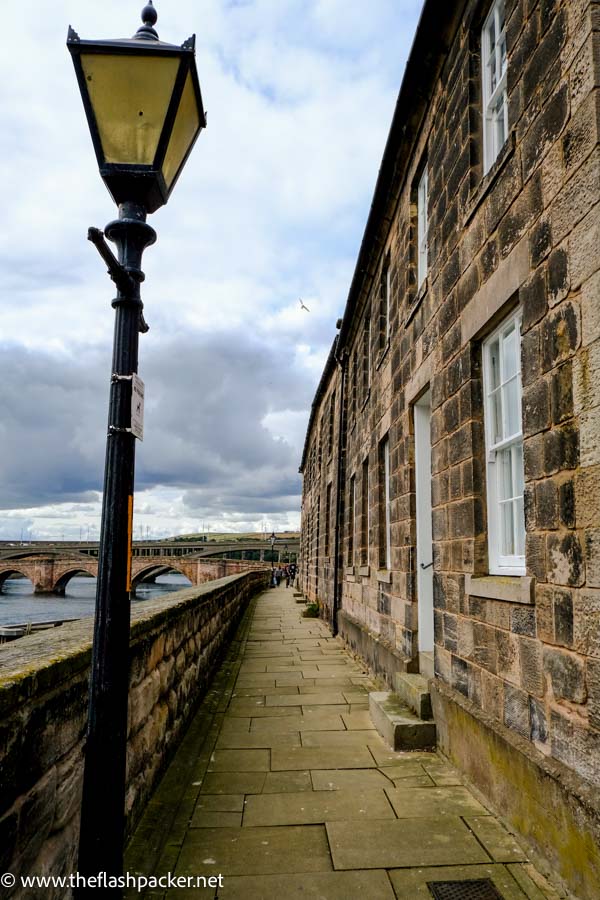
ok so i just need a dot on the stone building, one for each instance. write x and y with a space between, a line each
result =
451 501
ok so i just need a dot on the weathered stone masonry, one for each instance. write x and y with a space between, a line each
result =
175 646
522 651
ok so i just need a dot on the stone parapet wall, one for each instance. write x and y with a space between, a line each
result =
175 645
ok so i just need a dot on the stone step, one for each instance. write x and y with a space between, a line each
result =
399 727
413 690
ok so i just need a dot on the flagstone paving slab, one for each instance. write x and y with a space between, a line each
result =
206 819
244 707
254 851
338 738
291 793
323 698
395 843
358 720
258 740
233 783
410 802
385 757
262 678
320 758
316 806
311 707
284 782
408 769
409 883
258 690
442 774
345 779
501 845
239 761
372 885
220 802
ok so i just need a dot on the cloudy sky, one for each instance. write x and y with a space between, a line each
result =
271 207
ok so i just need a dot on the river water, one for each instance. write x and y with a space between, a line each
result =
19 604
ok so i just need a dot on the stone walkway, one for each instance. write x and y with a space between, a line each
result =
283 787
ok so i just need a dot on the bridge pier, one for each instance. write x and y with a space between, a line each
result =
43 576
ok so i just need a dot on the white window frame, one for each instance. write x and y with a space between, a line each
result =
495 99
352 522
422 227
388 295
388 528
365 525
499 562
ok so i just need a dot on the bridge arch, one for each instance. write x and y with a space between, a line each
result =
61 583
7 573
153 571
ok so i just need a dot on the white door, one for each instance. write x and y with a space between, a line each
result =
422 412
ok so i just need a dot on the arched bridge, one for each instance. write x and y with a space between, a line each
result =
51 572
286 549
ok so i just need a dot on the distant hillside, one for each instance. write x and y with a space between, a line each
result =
235 536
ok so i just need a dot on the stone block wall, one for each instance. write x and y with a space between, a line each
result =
175 645
524 650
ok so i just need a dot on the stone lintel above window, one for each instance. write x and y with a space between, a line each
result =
511 588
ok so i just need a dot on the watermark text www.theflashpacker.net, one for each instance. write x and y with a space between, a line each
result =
138 883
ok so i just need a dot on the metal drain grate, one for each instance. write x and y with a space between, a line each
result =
476 889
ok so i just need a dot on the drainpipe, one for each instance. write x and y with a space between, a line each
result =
339 497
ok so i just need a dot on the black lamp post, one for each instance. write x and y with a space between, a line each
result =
272 539
144 110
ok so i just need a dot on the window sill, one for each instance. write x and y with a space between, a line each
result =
364 571
489 179
366 400
382 354
384 576
349 570
416 302
509 588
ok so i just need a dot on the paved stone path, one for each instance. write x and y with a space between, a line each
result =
283 787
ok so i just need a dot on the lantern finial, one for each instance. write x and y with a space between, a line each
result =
149 18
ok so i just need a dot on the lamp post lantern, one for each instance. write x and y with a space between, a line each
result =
144 110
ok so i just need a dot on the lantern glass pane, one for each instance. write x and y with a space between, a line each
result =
187 123
130 96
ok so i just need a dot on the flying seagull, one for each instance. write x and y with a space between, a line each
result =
302 305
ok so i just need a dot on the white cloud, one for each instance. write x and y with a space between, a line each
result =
271 207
